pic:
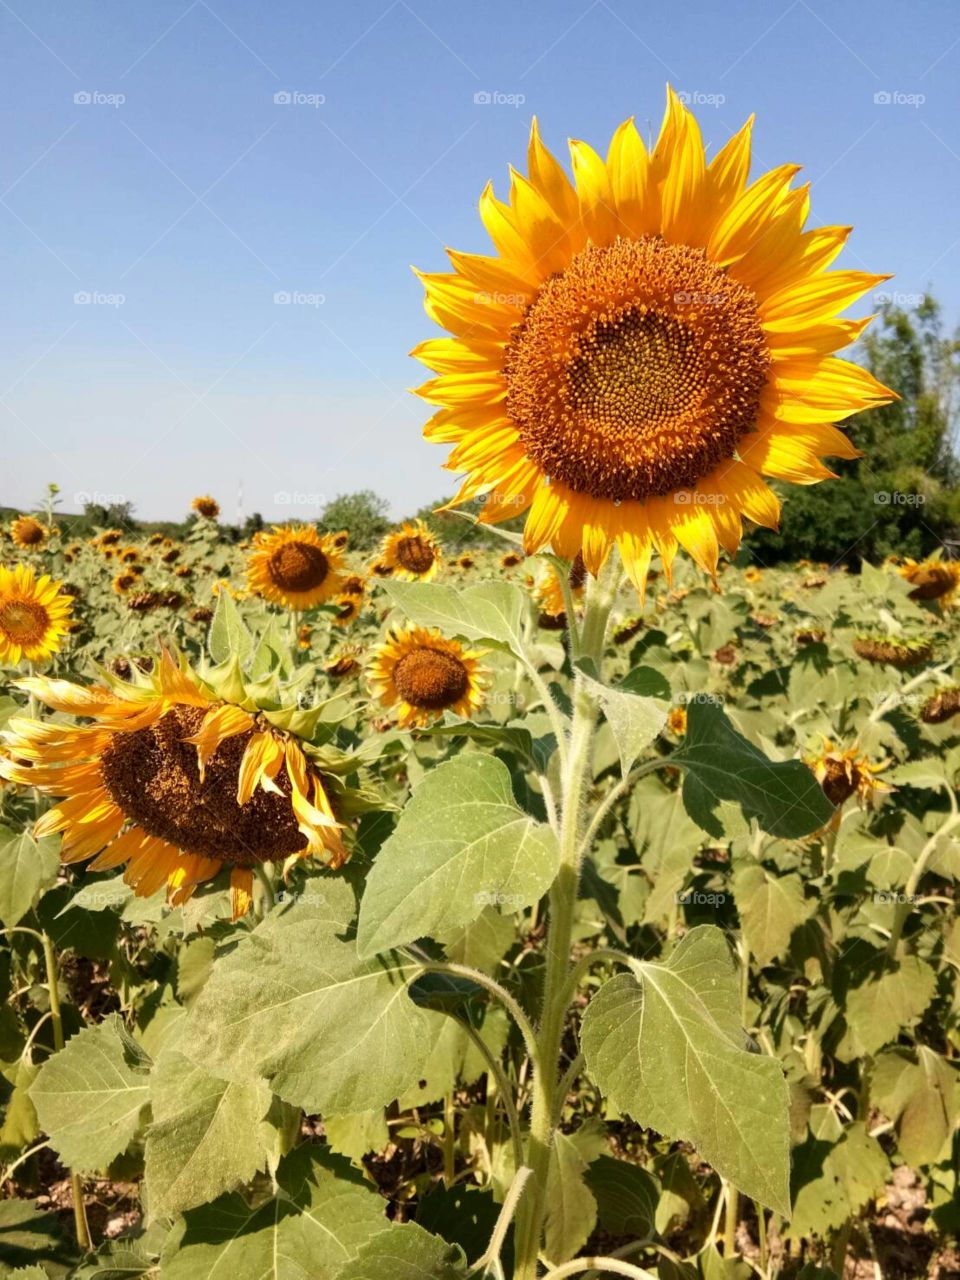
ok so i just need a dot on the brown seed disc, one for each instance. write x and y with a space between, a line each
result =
430 679
298 566
24 622
415 554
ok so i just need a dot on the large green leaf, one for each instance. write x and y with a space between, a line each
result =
626 1196
634 720
89 1095
26 866
462 844
770 908
664 1042
880 1008
492 611
407 1253
720 764
229 635
833 1181
205 1137
323 1213
294 1004
571 1207
922 1097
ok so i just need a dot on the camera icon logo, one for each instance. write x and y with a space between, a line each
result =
83 98
282 98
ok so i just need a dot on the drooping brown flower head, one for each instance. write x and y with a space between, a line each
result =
894 651
941 706
843 774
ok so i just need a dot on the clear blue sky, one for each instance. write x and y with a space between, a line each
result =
198 198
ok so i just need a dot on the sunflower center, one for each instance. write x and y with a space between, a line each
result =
298 566
415 554
30 532
430 679
24 621
154 778
636 371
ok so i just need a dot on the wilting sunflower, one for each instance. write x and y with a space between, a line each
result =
894 651
422 674
28 532
173 781
647 343
933 580
34 615
295 567
412 553
843 774
941 706
206 506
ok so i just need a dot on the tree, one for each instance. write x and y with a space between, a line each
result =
902 496
364 514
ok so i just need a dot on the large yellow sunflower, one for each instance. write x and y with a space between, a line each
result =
28 532
412 553
173 781
647 344
421 674
34 615
295 567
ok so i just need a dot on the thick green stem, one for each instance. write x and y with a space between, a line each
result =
56 1018
563 901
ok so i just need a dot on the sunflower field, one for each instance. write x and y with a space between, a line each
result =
548 905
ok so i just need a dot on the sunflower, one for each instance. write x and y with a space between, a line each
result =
353 586
34 615
646 344
933 580
380 569
843 774
348 608
173 781
752 574
677 721
124 582
884 650
295 567
465 561
412 553
341 538
548 593
344 662
422 674
510 559
28 532
108 538
206 506
941 706
130 555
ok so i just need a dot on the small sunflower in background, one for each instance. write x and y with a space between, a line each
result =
35 615
548 594
412 553
420 674
108 538
465 561
340 539
345 662
649 344
752 574
124 582
354 585
206 507
677 721
173 781
28 533
932 579
348 606
510 559
295 567
380 569
843 774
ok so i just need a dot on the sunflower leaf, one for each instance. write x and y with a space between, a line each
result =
664 1043
492 611
228 632
294 1004
634 720
26 867
472 846
89 1096
719 764
407 1252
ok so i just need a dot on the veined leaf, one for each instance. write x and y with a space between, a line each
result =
634 720
462 843
664 1042
89 1095
295 1005
491 611
879 1009
719 764
26 866
228 632
770 908
407 1252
